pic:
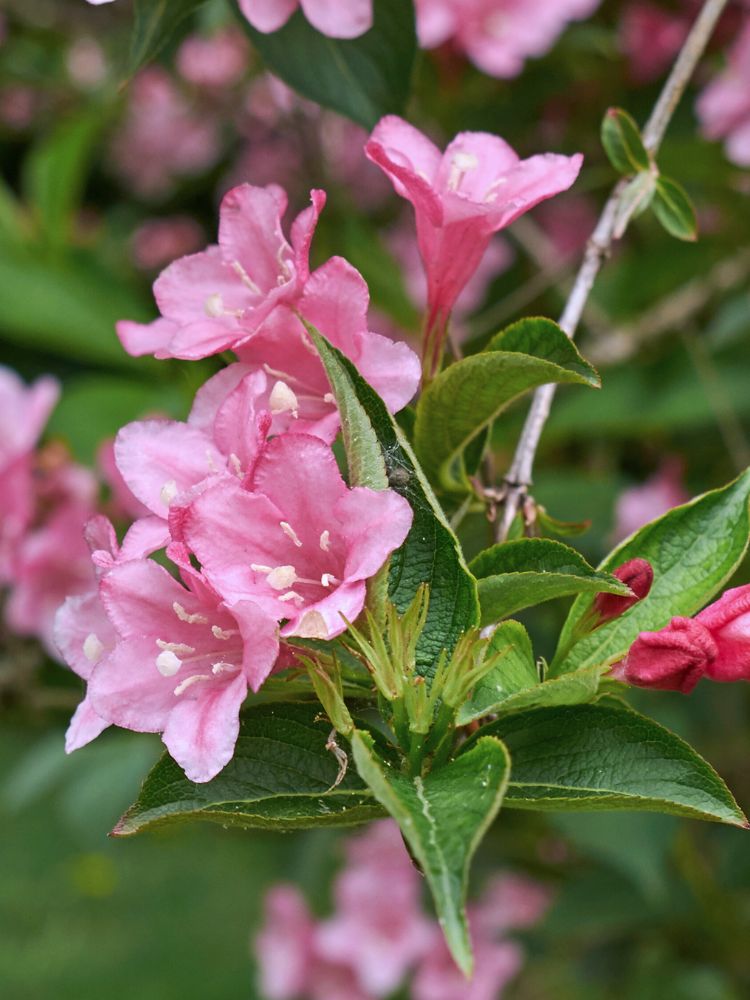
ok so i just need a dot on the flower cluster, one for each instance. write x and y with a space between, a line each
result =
247 489
713 644
378 935
724 106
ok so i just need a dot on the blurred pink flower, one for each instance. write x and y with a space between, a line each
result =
638 505
495 964
477 187
219 60
157 242
24 411
378 930
86 63
724 106
498 36
510 902
330 17
18 106
650 37
302 544
162 137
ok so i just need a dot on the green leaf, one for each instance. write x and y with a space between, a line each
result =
635 199
516 672
465 398
603 757
622 143
363 78
280 778
673 208
431 553
66 307
54 174
514 684
694 550
518 574
155 23
443 817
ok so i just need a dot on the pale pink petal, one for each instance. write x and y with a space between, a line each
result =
411 161
337 19
250 233
268 15
84 727
138 597
303 230
532 181
127 690
212 394
390 367
472 162
261 639
202 728
187 290
161 459
147 535
147 338
325 619
82 632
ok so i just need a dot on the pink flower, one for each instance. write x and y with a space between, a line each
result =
510 902
650 38
638 505
219 60
330 17
302 544
290 966
460 198
498 36
724 106
495 964
673 659
122 505
160 460
728 621
638 575
23 413
158 242
162 137
214 300
182 662
378 929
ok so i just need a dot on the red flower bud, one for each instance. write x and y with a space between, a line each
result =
673 659
638 575
728 621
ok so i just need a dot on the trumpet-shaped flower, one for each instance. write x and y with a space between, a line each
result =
477 187
214 300
330 17
728 621
302 544
181 663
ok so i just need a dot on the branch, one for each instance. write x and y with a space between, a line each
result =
519 476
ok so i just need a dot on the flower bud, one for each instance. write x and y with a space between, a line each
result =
728 621
673 659
638 575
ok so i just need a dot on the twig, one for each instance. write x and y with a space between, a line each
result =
519 476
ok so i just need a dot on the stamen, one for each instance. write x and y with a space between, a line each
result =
245 277
328 578
460 164
215 308
168 492
180 648
290 533
167 663
292 595
312 626
189 681
259 568
283 400
282 577
329 398
236 464
183 615
221 633
210 461
492 190
325 540
93 647
224 668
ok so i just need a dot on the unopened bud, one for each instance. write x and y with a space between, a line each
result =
673 659
636 574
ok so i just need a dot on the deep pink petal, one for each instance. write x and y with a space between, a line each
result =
374 524
472 162
303 230
390 367
410 160
261 637
325 618
203 726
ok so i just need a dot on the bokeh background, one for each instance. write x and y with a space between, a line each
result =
102 184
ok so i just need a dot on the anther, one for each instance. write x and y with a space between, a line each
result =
325 540
224 668
93 647
283 400
189 681
167 663
180 648
168 492
245 277
221 633
292 595
183 615
290 533
327 579
282 577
